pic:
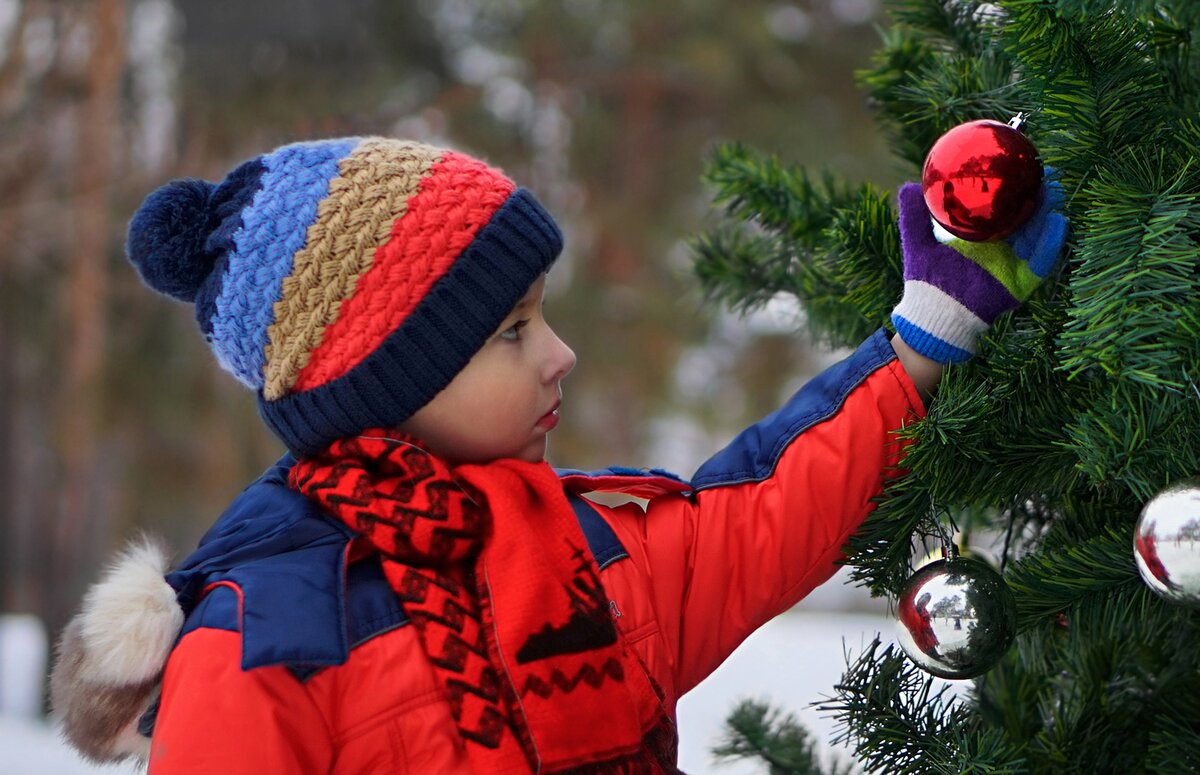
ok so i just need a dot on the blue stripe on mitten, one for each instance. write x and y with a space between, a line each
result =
955 290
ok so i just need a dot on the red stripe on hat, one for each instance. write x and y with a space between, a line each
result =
456 199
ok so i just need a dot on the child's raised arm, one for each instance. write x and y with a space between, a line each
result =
926 373
772 511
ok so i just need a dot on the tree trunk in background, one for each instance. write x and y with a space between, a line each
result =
621 259
86 300
7 405
18 171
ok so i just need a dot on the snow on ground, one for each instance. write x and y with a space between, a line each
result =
792 662
32 748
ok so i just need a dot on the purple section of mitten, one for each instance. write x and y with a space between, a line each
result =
928 260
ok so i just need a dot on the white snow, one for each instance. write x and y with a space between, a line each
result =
22 665
29 747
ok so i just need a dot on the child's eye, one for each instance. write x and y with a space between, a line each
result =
513 332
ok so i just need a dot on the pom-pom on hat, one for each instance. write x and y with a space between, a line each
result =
346 281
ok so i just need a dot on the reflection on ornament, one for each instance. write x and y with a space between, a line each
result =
1166 543
957 618
982 180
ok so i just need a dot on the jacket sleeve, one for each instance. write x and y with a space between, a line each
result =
771 512
215 717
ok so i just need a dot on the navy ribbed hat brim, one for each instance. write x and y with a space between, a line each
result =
433 344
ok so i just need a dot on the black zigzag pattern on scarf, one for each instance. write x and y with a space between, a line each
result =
419 477
414 586
488 687
490 730
402 516
587 674
456 650
434 526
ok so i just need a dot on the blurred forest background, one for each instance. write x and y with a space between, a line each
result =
114 416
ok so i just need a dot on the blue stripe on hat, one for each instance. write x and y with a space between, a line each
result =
274 228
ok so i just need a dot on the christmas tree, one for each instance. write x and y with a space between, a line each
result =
1080 408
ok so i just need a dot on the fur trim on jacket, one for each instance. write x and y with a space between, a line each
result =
110 658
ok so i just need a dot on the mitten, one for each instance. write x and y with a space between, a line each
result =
954 289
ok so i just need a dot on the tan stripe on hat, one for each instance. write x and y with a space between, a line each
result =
373 187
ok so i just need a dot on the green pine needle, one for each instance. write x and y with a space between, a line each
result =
754 730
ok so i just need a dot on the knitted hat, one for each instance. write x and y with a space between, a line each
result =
347 281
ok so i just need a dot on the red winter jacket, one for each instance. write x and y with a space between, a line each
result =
295 659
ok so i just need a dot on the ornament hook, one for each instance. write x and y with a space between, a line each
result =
1018 121
946 533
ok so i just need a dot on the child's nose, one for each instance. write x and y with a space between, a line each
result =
561 361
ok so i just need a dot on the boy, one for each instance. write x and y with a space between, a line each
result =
413 588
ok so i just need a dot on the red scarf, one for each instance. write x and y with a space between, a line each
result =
493 570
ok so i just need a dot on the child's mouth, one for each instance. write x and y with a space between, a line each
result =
549 420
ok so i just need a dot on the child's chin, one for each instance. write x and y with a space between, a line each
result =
535 452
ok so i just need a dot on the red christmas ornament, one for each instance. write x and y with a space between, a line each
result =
982 180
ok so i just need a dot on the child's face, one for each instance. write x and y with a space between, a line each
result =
505 402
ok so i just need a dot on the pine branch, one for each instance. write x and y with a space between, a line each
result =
879 553
785 232
1136 267
1174 743
866 255
999 422
1008 697
757 188
1176 28
755 730
995 422
742 270
1120 665
896 722
1133 441
1095 91
1050 582
954 25
891 86
922 85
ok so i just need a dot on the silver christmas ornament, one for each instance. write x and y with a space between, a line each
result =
1166 543
957 618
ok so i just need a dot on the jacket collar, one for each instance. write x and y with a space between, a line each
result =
288 562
